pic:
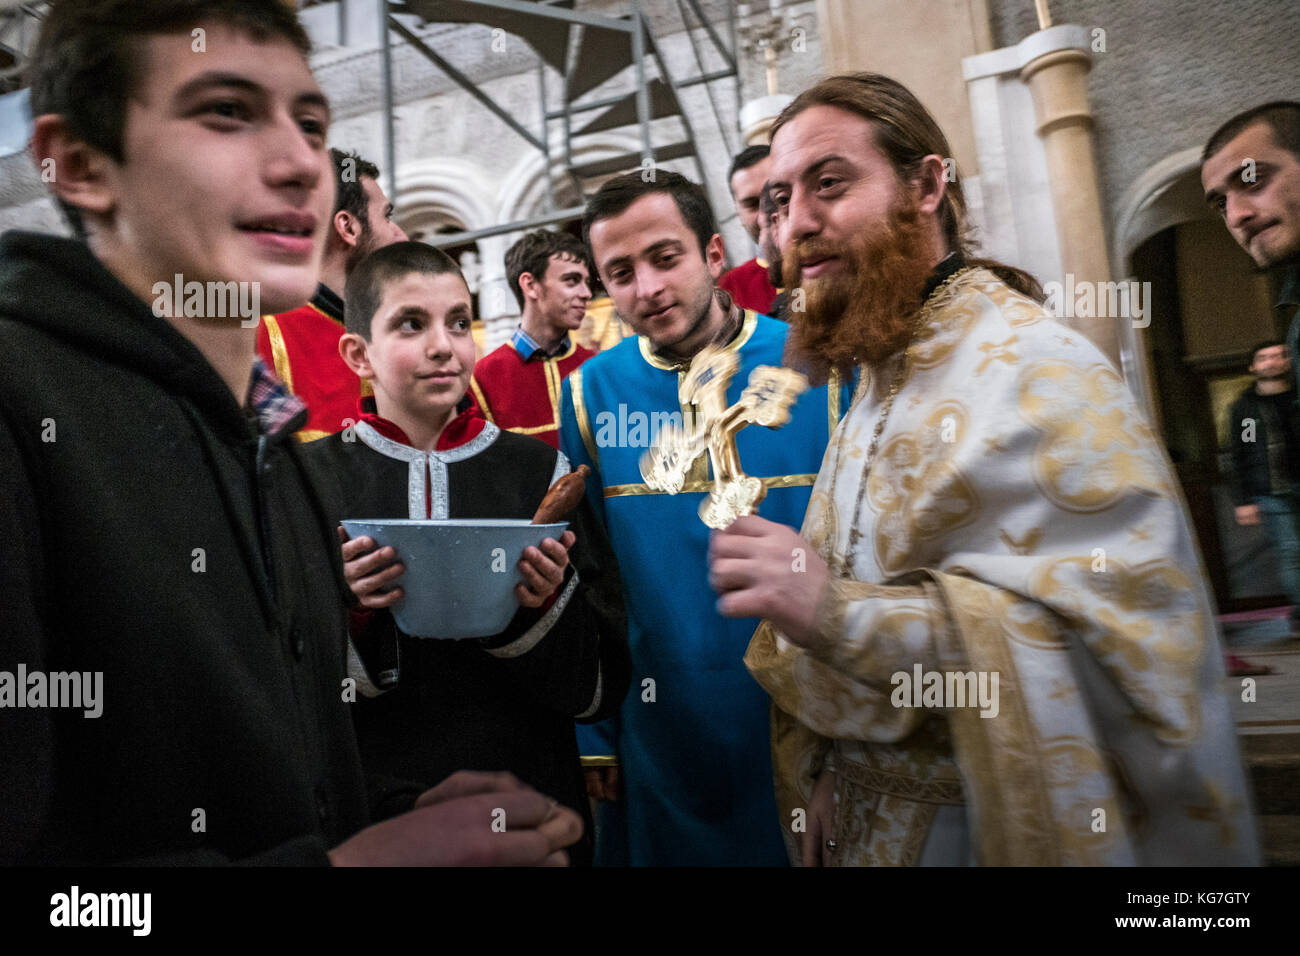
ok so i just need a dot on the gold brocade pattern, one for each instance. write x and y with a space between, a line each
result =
879 829
1003 509
821 523
945 331
1153 639
1095 448
1029 623
1017 310
1078 772
1000 758
918 492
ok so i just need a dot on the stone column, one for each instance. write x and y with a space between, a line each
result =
757 117
921 44
1057 77
496 303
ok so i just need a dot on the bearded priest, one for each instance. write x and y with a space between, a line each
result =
1000 648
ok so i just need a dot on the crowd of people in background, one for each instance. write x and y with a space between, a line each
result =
179 480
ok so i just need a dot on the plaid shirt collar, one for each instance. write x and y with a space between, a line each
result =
528 348
277 409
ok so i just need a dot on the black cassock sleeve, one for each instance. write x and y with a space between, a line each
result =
571 656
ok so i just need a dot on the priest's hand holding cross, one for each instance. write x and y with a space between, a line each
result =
764 569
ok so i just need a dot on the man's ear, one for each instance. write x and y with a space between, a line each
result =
348 228
931 183
79 174
528 285
354 350
715 256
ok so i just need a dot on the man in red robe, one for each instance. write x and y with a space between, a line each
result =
748 283
303 345
517 386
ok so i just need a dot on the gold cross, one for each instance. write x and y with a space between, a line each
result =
1025 545
999 351
1108 429
766 401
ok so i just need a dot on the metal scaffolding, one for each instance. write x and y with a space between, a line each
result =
587 50
19 24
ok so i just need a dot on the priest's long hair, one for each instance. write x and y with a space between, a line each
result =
906 133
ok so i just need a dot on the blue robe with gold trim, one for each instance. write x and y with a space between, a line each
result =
692 735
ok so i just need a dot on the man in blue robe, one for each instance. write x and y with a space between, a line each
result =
685 767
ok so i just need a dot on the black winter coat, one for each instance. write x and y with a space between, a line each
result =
153 535
1248 477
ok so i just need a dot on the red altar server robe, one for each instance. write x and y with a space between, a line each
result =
303 348
517 386
749 287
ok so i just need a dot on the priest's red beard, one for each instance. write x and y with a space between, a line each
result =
866 310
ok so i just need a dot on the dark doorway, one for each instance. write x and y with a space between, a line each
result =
1209 306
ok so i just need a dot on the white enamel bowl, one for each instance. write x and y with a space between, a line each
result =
460 573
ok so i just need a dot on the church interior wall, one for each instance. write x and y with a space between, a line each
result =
1171 73
923 49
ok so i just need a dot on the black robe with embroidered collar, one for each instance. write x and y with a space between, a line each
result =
431 707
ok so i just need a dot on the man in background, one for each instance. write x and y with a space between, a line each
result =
303 345
1264 433
517 386
767 221
748 283
1250 170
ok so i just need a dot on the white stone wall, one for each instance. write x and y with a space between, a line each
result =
1172 71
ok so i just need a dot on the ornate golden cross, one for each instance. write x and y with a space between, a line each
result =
766 401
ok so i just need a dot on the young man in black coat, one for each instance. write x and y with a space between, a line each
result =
167 555
1264 433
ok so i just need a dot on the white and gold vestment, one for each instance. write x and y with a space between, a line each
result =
1021 519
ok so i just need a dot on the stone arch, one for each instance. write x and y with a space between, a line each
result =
1167 194
433 194
523 191
446 191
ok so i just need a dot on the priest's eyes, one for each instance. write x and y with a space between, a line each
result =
826 185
